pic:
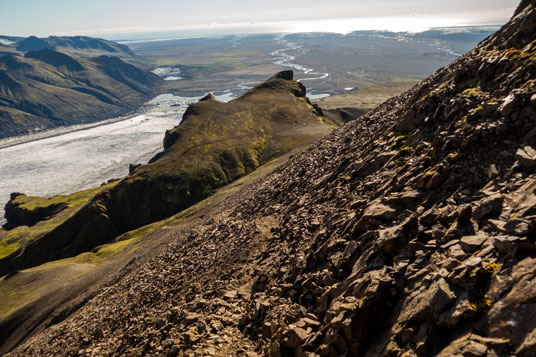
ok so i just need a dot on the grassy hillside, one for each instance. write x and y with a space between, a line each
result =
46 88
215 144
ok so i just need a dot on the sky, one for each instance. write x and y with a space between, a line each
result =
114 19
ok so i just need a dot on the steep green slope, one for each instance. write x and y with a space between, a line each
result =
46 88
215 144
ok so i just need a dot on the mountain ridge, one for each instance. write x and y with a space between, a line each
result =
46 88
81 46
215 144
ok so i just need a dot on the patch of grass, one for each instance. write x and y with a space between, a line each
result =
28 285
167 62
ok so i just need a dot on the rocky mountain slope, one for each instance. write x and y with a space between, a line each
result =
47 88
408 232
215 144
78 46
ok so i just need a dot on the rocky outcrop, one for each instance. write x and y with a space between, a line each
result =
18 215
408 232
342 115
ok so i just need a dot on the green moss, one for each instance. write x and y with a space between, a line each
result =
473 82
6 248
397 134
472 92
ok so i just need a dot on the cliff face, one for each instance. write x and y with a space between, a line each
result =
44 89
408 232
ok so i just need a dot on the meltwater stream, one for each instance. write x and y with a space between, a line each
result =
71 159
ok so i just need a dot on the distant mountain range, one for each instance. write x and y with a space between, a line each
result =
57 81
80 46
46 88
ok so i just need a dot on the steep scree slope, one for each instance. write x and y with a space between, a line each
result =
409 232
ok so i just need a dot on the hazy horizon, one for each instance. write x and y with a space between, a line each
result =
135 19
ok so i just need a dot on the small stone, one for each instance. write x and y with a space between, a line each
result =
506 244
518 227
489 206
380 211
310 322
275 349
474 349
461 310
508 105
471 243
526 157
492 171
472 262
296 337
456 251
407 334
425 304
191 336
191 317
404 198
375 214
266 330
173 351
230 295
211 351
464 214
